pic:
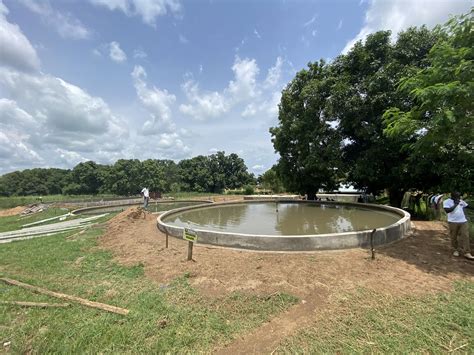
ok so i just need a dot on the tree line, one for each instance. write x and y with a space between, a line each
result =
212 174
386 116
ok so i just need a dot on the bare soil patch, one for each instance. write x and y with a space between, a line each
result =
419 264
11 211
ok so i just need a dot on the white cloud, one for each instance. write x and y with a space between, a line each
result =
158 103
116 53
274 73
65 24
65 115
202 105
339 26
139 54
255 32
258 168
44 114
396 15
245 73
149 10
16 50
244 92
13 116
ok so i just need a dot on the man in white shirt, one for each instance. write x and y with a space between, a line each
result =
146 197
458 226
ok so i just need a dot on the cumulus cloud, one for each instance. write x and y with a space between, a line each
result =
244 90
15 127
396 15
274 74
16 50
245 73
148 10
50 113
158 103
116 53
160 128
13 116
65 24
202 105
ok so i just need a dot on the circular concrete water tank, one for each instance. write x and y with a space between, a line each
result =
216 225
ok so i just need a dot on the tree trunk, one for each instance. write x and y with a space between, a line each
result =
395 197
311 195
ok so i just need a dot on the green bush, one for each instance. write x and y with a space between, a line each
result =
249 189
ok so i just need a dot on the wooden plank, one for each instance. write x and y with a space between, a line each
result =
34 304
64 296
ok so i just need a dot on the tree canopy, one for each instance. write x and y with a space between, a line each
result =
385 116
439 125
128 176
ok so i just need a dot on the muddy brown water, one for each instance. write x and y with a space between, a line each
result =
270 218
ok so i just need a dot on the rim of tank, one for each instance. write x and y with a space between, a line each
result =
154 202
272 242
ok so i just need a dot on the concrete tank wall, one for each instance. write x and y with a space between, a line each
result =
345 240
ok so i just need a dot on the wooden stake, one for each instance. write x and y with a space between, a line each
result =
372 244
190 251
166 240
63 296
34 304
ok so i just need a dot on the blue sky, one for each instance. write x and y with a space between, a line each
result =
168 79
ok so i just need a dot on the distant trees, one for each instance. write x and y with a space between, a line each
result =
270 180
214 173
128 176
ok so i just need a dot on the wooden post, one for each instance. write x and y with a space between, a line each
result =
372 244
190 251
63 296
166 240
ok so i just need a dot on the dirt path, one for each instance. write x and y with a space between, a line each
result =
420 264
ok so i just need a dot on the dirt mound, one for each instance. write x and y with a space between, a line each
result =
11 211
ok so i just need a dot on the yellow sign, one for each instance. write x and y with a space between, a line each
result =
190 235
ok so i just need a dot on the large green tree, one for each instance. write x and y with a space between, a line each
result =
439 125
364 86
306 138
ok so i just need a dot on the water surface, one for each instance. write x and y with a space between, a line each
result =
269 218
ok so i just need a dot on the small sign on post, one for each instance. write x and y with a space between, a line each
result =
191 236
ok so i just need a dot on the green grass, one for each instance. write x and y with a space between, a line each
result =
10 223
163 318
14 201
366 322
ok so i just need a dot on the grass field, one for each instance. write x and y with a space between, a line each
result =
162 318
372 323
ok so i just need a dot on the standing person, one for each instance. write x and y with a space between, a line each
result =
458 225
146 197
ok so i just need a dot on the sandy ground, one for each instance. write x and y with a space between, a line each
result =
419 264
11 211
